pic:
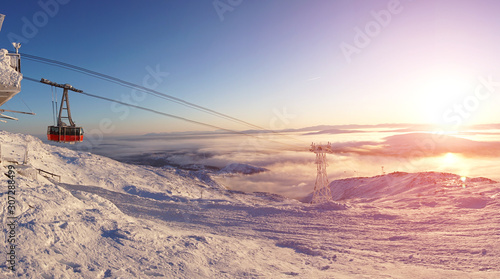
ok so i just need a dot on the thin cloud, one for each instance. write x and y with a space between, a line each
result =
312 79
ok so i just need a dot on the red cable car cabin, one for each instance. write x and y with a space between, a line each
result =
65 134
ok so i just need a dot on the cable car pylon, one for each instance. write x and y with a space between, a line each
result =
64 132
322 191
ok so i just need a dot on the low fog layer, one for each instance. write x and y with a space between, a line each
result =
357 151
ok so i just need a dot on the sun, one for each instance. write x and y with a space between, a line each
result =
450 159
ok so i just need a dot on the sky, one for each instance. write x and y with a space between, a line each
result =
278 64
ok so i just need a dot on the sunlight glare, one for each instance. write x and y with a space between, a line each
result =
450 158
463 179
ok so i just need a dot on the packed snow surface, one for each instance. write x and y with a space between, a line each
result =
106 219
10 79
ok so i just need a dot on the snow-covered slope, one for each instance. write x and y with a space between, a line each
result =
416 189
112 220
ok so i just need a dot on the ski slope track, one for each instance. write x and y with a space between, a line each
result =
107 219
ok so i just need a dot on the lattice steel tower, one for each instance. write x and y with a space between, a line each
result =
322 191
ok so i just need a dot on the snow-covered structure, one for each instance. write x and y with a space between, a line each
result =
2 17
10 75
